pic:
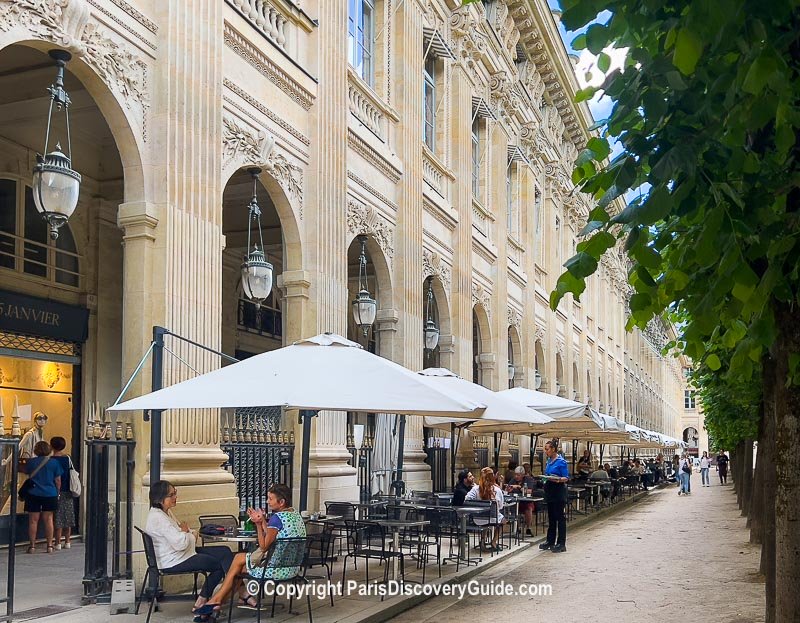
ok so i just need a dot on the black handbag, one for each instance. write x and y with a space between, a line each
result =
25 489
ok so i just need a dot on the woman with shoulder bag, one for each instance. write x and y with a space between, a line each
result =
684 474
41 496
65 513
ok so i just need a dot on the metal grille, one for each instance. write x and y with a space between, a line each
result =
259 453
39 344
437 459
361 459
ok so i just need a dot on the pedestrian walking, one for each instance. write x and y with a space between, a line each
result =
42 499
684 474
556 474
64 519
704 465
722 467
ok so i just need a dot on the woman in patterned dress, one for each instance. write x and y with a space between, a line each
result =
283 523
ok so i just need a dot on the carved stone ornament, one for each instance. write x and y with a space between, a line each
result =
433 266
539 334
66 23
246 147
482 297
364 219
514 318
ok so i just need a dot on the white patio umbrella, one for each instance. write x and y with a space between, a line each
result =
501 415
326 372
569 417
384 452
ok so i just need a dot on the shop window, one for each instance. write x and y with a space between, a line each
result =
25 245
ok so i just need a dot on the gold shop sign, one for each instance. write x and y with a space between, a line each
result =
35 316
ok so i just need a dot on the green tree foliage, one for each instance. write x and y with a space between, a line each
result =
706 111
730 408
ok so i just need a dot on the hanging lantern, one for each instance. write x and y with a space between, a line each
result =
256 270
537 379
431 331
56 186
365 307
511 372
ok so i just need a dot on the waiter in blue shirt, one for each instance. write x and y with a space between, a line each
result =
556 475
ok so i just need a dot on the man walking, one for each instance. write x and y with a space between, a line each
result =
722 467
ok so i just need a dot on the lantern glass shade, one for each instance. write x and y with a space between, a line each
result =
256 276
431 335
56 188
358 436
511 371
538 381
364 310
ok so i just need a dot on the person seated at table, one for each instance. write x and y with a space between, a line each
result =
465 482
283 523
508 475
599 474
527 467
175 543
585 465
625 469
611 470
487 489
500 480
516 486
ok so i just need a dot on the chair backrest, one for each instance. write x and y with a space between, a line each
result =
149 549
320 541
344 509
226 521
286 554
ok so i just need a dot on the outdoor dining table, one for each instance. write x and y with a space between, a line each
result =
367 507
242 540
395 525
463 542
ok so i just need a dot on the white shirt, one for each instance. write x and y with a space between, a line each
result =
474 494
704 462
172 544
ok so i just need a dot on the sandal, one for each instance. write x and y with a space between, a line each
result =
50 549
31 550
248 602
207 610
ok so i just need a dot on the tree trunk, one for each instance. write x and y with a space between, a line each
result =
787 441
755 513
766 453
747 476
738 460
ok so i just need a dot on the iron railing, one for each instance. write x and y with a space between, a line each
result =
361 459
260 319
110 449
481 457
259 455
437 458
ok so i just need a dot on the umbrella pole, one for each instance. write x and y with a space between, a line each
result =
157 381
574 453
532 453
452 455
602 447
498 437
305 419
398 484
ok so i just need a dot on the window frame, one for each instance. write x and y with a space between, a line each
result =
689 400
361 39
53 253
475 136
429 75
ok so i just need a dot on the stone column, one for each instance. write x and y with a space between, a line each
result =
330 477
408 274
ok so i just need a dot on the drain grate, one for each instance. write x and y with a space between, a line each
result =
42 611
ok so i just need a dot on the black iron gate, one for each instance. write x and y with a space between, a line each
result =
361 459
109 499
9 481
259 454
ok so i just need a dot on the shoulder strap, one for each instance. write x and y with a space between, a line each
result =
38 467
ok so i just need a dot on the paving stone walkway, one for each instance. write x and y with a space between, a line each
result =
667 558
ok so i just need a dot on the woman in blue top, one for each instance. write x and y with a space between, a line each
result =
556 474
42 500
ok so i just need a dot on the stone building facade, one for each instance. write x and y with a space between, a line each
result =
444 134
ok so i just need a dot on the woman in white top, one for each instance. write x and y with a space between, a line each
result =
175 543
487 489
705 463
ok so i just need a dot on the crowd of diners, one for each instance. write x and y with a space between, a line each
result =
176 544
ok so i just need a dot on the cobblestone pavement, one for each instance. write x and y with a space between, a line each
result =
664 558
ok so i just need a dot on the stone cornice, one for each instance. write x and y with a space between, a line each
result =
267 67
371 155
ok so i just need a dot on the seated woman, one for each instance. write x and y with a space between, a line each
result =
175 543
487 489
517 486
284 523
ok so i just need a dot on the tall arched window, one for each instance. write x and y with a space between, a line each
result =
25 245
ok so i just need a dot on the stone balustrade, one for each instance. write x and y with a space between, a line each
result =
365 105
266 17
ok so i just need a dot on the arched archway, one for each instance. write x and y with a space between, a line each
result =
379 284
516 359
587 398
561 387
576 380
481 345
539 364
442 355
